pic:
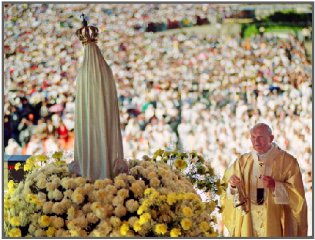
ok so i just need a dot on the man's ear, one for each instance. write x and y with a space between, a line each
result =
272 137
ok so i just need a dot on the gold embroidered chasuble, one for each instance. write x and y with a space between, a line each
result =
278 219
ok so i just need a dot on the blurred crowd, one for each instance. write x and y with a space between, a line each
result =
191 90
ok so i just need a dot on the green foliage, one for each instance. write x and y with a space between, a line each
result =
281 21
250 30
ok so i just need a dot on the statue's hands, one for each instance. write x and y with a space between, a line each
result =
268 182
234 181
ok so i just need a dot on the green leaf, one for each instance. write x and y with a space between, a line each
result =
57 155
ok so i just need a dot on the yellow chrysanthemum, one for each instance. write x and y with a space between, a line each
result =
28 167
57 155
211 234
149 191
50 232
15 221
186 223
144 218
124 229
11 184
17 166
7 204
175 232
212 206
32 198
187 211
41 158
180 164
171 198
10 191
160 229
15 232
204 226
137 226
141 209
44 221
74 232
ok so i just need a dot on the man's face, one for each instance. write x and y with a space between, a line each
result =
261 139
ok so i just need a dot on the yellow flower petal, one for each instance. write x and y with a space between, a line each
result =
160 229
175 232
15 232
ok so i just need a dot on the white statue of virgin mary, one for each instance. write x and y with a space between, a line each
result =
98 149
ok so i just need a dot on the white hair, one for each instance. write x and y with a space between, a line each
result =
264 125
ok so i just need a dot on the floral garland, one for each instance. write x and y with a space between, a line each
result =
151 200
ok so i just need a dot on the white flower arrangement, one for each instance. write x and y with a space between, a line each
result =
153 199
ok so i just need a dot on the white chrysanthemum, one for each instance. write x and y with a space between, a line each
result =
123 193
99 184
41 183
81 222
132 220
71 225
57 222
119 183
51 186
56 181
132 205
120 211
106 227
88 187
50 195
62 233
32 228
118 200
97 233
80 181
66 203
95 205
58 208
47 207
87 208
42 196
68 193
152 174
91 218
137 188
39 233
115 233
77 197
67 183
115 221
131 179
110 189
155 182
104 211
57 195
101 195
71 213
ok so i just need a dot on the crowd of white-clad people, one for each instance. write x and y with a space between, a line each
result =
193 90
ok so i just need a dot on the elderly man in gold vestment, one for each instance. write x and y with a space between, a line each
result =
265 194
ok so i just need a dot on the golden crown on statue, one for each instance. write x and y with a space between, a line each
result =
87 34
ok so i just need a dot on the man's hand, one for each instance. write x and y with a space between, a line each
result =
234 181
268 182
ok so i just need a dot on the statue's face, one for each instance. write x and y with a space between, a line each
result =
261 139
